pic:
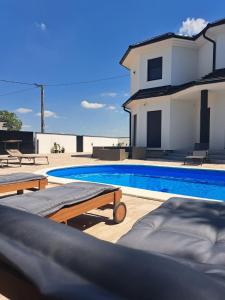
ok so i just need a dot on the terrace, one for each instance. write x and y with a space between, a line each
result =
98 222
100 225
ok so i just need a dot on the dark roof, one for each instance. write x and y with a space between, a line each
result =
216 76
170 35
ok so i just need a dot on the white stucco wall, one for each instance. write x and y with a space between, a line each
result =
69 142
184 64
135 75
217 120
45 142
124 141
141 108
139 66
182 126
90 141
220 50
205 59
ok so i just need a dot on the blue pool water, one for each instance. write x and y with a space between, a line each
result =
183 181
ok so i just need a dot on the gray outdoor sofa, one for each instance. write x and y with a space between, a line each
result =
176 252
110 153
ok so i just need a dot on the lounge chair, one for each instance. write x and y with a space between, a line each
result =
40 259
22 181
67 201
197 155
4 159
20 156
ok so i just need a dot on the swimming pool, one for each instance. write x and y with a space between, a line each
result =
184 181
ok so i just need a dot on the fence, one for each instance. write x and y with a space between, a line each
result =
26 145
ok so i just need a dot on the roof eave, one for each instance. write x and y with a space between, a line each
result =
190 85
169 36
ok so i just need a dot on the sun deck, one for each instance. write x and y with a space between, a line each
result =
99 222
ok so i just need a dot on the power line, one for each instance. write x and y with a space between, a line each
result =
88 81
65 84
17 82
18 91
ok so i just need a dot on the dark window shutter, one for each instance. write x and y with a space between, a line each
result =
155 69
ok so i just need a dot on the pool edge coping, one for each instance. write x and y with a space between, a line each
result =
129 191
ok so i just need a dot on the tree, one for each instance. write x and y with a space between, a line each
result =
10 119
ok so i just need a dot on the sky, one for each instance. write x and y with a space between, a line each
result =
70 41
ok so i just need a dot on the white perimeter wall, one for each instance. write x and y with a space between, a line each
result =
90 141
69 142
46 142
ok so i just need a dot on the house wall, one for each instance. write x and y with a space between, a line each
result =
141 109
182 126
217 120
220 50
44 142
134 75
184 64
205 59
183 61
139 66
176 58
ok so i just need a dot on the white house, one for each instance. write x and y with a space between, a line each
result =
178 90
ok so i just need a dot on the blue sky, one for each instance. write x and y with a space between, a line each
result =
49 41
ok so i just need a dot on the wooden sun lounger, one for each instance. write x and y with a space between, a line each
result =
4 159
20 156
65 202
67 213
22 181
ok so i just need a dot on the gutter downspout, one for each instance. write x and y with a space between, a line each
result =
214 49
128 111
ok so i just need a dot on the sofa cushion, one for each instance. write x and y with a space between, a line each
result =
53 261
189 231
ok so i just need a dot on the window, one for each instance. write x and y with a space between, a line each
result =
155 68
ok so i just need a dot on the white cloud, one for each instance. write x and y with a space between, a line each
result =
109 94
111 107
192 26
91 105
126 94
42 26
23 110
48 114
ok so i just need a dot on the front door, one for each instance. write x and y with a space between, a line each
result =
154 129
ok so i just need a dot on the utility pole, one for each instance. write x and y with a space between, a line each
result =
41 86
